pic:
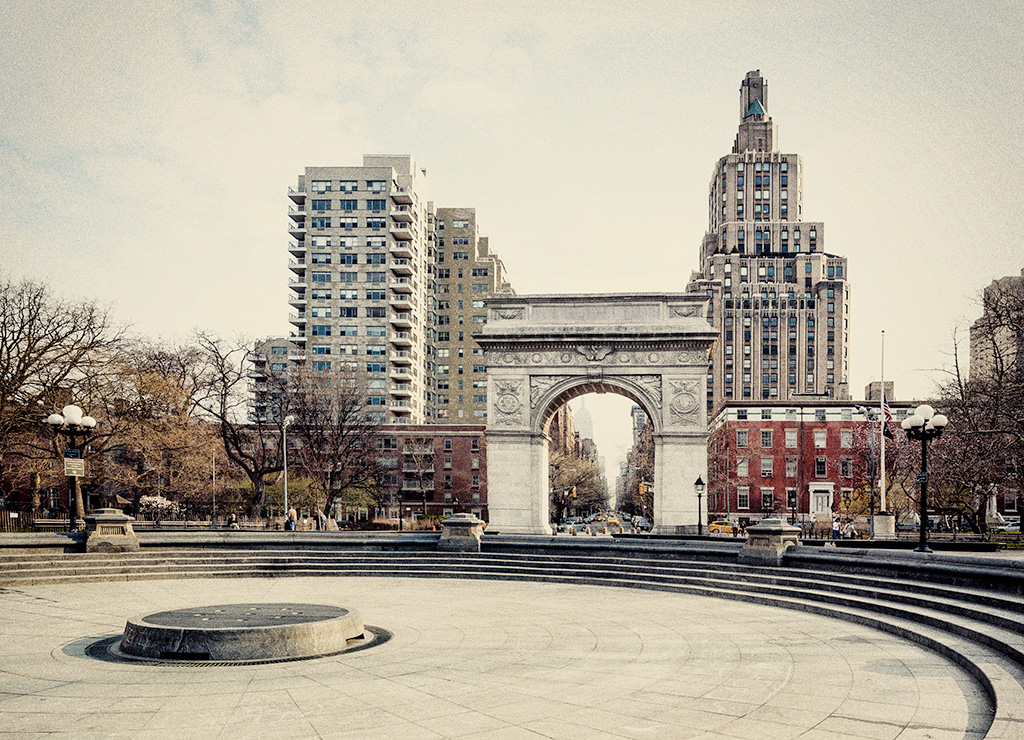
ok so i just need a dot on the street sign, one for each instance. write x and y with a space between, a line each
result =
72 454
74 468
922 477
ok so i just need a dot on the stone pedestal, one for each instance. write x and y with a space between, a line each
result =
110 530
767 541
462 533
884 526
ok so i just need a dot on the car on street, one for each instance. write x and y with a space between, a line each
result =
724 526
641 524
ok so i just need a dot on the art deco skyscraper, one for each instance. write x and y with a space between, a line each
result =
780 301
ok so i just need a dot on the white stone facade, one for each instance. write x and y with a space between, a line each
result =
545 350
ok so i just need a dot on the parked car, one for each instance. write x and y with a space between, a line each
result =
724 526
641 524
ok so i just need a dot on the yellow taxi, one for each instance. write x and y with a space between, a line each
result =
724 526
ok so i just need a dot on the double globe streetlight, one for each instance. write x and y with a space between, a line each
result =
77 427
924 425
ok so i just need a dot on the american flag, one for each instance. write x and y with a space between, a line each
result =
887 414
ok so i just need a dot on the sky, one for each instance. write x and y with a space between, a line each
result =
146 148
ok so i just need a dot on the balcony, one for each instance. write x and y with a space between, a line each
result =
402 231
427 467
298 301
400 407
401 302
296 355
297 213
401 338
298 284
402 214
402 390
401 285
298 249
401 267
299 319
415 485
402 250
401 320
297 230
401 357
399 374
401 195
297 196
297 266
298 337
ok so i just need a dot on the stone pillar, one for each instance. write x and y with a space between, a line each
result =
110 530
517 482
884 526
462 533
679 458
767 541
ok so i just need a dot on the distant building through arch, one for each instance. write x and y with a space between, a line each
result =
545 350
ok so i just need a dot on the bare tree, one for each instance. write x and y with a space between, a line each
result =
575 482
255 447
47 345
335 435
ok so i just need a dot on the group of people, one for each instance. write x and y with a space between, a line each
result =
841 531
319 520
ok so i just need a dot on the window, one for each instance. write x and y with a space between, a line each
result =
376 223
348 331
474 463
375 401
741 414
348 204
348 277
320 349
321 294
321 330
480 399
378 350
448 461
376 277
743 498
819 414
348 349
766 467
820 436
376 186
376 259
448 443
767 500
375 367
321 205
321 222
376 205
375 331
321 365
766 437
321 186
348 312
846 467
278 350
375 295
846 438
820 467
320 312
376 312
741 437
791 467
479 368
742 467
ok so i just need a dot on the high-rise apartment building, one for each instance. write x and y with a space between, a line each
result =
997 340
779 300
361 259
383 285
465 273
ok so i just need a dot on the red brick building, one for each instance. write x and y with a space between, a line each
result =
803 458
436 470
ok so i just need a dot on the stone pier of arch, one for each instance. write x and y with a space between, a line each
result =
544 350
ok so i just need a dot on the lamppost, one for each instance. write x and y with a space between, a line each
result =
698 486
77 428
284 457
924 425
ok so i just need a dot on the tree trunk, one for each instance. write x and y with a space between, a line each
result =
259 487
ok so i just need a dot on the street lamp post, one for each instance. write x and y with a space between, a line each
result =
698 486
284 457
924 425
77 428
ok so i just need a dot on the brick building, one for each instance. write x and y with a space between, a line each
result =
436 470
806 458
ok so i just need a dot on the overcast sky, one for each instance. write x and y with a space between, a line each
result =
146 148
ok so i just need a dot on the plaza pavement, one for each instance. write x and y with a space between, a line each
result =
479 659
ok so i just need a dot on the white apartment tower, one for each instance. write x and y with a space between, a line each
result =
778 299
361 258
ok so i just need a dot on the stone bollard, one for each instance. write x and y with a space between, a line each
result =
767 541
462 533
110 530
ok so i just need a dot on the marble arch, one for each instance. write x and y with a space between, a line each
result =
543 350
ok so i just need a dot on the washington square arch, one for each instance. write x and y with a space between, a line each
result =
544 350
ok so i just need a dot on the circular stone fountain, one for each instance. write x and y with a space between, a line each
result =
242 633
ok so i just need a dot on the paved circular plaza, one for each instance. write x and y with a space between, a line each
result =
479 659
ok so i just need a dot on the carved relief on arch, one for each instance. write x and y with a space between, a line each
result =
507 403
685 404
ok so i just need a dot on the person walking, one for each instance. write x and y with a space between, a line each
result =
293 517
835 528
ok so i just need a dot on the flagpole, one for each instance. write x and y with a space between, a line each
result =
881 436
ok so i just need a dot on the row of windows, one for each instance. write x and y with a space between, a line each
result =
820 467
318 241
820 438
326 258
348 186
345 204
348 277
325 222
768 502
